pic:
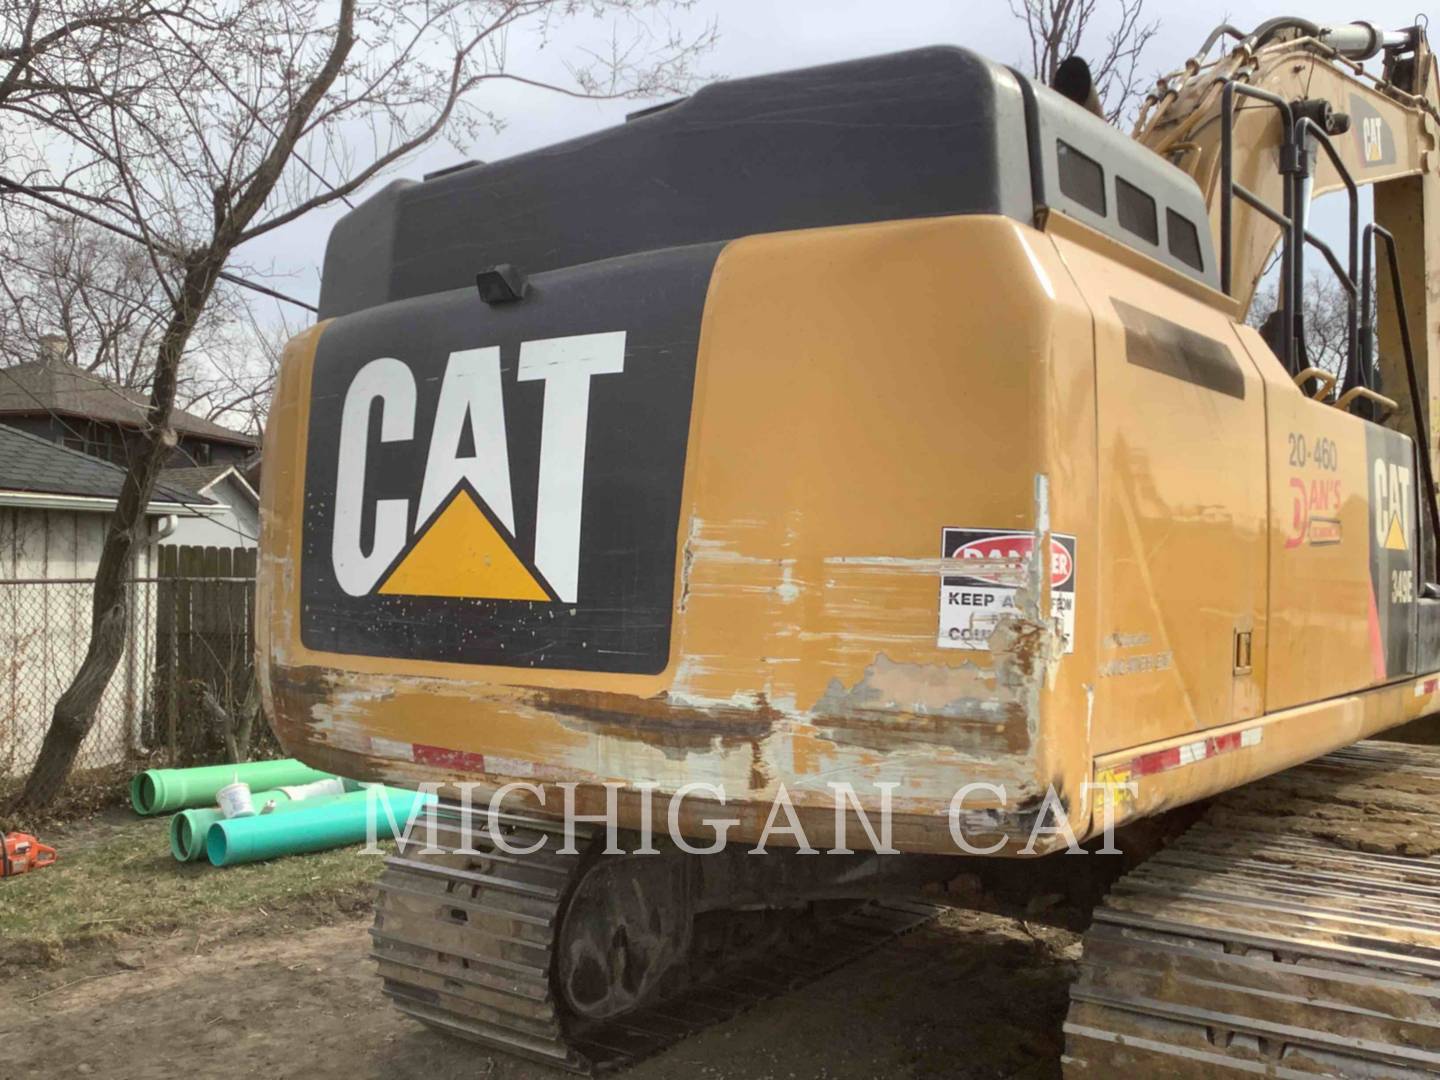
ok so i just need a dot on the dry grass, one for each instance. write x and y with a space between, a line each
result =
116 879
86 793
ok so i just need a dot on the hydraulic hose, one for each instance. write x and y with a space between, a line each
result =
1262 34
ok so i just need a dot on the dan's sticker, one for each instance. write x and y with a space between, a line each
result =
972 605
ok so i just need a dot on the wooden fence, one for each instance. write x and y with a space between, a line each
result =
204 649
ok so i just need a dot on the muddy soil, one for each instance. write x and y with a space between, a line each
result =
969 996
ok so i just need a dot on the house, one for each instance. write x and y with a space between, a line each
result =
71 407
235 519
54 506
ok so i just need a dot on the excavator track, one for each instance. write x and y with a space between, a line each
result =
470 944
1294 931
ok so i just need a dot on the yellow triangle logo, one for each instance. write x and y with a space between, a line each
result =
461 553
1395 538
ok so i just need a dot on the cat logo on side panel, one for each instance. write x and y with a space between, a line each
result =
463 543
1391 502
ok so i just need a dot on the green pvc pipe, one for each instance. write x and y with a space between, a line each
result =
157 791
332 823
188 827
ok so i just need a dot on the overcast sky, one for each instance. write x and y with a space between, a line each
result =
758 36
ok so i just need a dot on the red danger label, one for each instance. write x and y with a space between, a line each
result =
980 588
1014 547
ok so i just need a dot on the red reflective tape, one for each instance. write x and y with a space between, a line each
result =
445 758
1221 743
1157 761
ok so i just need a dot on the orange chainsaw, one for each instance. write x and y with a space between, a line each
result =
21 853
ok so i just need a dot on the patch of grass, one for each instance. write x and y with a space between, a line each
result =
121 880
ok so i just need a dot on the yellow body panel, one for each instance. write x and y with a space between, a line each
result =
837 428
1319 591
1182 526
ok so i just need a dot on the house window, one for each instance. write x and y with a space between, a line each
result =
1136 211
1081 177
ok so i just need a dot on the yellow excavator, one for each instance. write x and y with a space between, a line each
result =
884 442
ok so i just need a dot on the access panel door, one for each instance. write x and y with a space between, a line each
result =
1342 549
1182 510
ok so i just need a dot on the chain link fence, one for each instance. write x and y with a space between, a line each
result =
44 633
186 675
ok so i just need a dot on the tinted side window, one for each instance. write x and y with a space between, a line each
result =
1136 211
1081 177
1184 240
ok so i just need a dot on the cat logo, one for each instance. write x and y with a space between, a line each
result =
463 543
1391 505
1372 138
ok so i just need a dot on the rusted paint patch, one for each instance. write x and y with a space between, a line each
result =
295 692
897 704
659 722
802 716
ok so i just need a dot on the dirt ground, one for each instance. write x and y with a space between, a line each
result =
229 995
972 996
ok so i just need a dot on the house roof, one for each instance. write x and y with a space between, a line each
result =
30 464
201 478
52 386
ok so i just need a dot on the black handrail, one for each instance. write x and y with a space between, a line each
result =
1368 361
1285 219
1306 128
1422 440
1294 167
1355 277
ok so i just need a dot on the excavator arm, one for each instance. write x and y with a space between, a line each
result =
1381 130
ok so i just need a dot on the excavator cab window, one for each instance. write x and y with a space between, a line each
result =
1136 211
1081 178
1184 239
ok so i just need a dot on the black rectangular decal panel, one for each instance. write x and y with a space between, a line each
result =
501 484
1160 345
1394 538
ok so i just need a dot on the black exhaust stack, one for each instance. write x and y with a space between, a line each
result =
1074 81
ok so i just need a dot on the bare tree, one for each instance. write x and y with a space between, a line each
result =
232 381
1325 316
252 114
62 278
1060 29
90 288
49 48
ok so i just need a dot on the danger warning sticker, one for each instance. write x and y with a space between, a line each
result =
971 605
